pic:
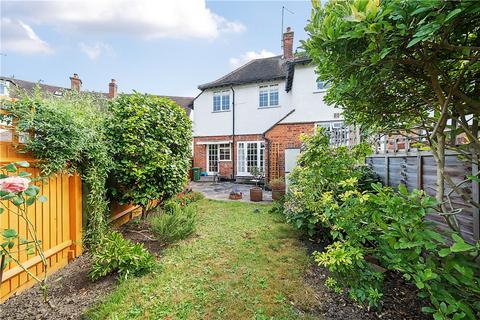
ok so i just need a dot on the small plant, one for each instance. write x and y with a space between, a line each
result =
174 223
114 253
257 174
277 184
19 191
188 197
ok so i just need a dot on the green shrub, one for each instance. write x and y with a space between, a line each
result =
150 141
116 254
175 222
373 224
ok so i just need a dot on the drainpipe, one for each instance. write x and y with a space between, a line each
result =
233 133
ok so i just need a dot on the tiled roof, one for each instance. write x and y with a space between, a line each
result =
185 102
257 70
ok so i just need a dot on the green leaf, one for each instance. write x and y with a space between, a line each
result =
30 201
24 174
453 14
420 10
9 233
23 164
444 252
32 191
1 210
17 200
461 246
414 41
11 167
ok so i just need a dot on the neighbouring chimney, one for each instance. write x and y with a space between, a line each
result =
75 82
112 89
288 44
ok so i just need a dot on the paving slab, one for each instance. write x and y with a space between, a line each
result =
221 190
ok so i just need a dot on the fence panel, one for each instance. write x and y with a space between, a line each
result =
58 222
417 170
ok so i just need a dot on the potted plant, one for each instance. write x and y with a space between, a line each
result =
235 194
256 193
278 188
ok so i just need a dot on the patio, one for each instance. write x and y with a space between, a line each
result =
221 190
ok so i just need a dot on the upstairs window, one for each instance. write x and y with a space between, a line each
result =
268 96
221 101
322 85
224 152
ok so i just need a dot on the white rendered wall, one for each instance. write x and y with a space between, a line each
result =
307 100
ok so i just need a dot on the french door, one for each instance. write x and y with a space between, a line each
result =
250 155
212 158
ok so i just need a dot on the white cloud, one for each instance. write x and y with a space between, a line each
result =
94 50
19 37
250 55
148 19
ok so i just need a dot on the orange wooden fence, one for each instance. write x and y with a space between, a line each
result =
58 223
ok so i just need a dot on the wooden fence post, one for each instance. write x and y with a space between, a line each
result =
75 203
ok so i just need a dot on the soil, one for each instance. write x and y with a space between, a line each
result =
400 301
70 291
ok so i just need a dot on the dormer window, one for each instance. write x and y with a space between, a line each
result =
221 101
268 96
3 88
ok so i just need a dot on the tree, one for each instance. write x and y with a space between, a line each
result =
404 65
150 142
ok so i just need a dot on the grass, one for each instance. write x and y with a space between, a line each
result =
242 263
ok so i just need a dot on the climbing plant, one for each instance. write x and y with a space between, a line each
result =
67 134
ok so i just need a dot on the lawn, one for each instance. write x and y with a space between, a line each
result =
243 263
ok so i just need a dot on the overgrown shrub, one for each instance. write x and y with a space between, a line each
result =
150 142
368 225
68 134
175 223
116 254
321 169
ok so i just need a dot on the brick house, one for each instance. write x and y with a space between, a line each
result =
249 117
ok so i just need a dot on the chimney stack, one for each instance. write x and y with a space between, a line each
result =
112 89
288 44
75 82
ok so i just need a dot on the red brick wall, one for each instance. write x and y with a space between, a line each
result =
225 167
280 137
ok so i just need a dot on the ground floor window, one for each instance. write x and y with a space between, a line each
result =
251 155
216 153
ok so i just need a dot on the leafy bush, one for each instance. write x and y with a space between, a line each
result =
116 254
320 169
370 225
175 223
69 136
150 141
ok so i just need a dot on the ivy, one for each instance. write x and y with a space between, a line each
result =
68 134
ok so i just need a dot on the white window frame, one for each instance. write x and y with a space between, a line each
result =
260 158
324 88
269 88
5 85
332 126
222 94
225 146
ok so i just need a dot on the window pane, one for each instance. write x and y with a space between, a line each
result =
263 98
241 157
224 151
225 102
274 97
216 103
252 156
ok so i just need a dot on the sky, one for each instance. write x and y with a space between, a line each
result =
164 47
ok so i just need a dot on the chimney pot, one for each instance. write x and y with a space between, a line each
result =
75 82
288 44
112 89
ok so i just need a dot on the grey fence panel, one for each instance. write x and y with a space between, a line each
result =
417 170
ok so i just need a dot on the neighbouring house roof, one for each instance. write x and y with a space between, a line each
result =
185 102
257 70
